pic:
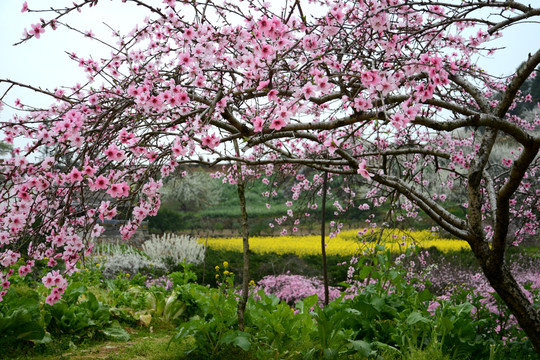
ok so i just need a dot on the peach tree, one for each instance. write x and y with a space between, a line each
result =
389 91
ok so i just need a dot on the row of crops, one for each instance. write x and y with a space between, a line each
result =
346 243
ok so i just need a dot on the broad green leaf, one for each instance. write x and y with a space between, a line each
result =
366 270
237 338
362 347
330 354
116 332
416 317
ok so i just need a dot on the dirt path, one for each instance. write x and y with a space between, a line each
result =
148 344
146 347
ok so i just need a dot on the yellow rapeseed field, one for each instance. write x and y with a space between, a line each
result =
346 243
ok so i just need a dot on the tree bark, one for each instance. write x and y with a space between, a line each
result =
508 289
323 236
245 242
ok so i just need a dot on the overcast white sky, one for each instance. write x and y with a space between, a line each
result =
43 62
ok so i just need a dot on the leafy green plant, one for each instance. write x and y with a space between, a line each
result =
168 307
122 293
279 331
81 315
180 278
20 317
333 340
215 317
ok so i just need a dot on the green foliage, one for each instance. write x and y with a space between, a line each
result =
5 148
494 323
270 264
333 339
80 314
123 293
91 275
194 191
183 277
391 316
166 220
277 331
20 317
214 320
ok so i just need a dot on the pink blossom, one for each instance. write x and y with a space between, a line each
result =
75 176
36 30
113 153
258 124
119 190
363 171
100 183
308 91
5 284
266 51
182 97
272 95
89 171
52 299
263 84
370 78
48 280
184 59
140 212
212 141
277 124
23 270
97 230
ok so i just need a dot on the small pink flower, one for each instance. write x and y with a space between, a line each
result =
308 90
36 30
52 299
75 176
363 171
5 284
266 51
48 280
263 84
258 124
23 270
277 124
211 141
272 95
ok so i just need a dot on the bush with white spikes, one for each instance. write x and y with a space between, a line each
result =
174 248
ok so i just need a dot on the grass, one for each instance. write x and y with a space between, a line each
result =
155 346
145 343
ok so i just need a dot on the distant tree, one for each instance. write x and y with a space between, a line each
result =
193 191
528 96
5 148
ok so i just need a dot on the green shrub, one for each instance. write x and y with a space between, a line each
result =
20 317
166 220
269 264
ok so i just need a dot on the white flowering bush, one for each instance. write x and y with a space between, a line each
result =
171 248
125 259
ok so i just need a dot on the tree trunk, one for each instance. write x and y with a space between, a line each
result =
508 289
245 243
323 236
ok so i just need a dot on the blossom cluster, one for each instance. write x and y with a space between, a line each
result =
293 288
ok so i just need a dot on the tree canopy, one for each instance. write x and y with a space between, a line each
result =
388 91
